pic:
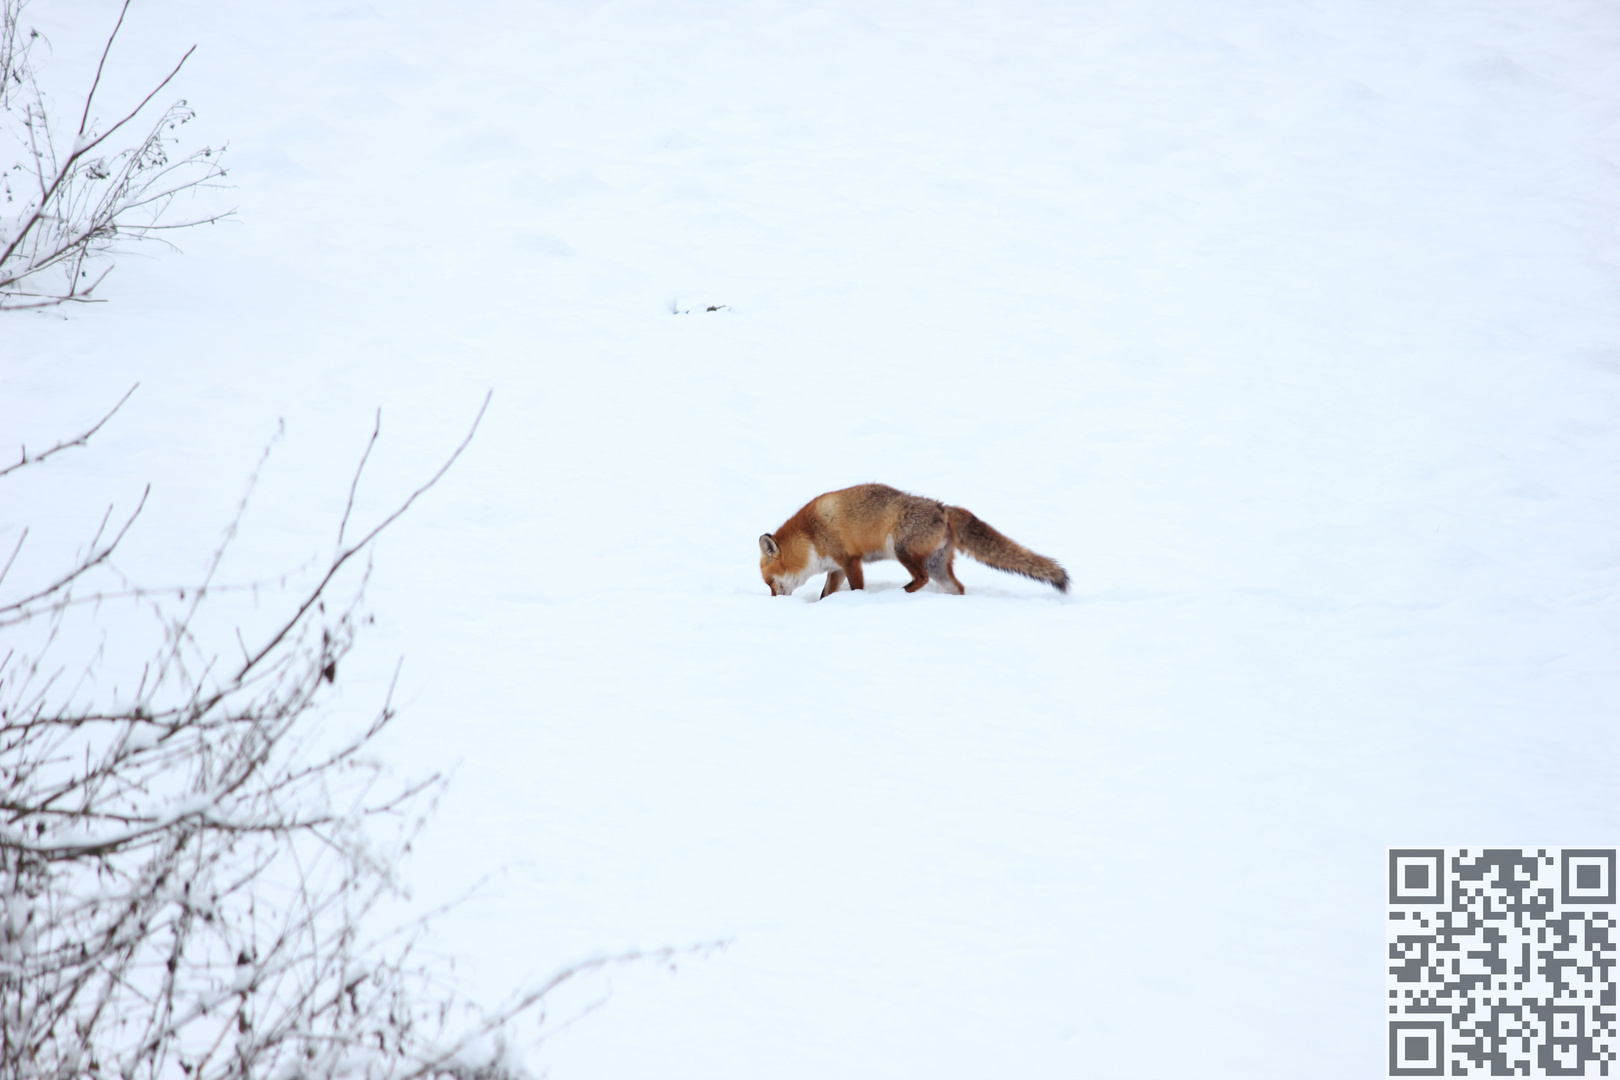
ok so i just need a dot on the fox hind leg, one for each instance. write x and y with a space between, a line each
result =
835 581
939 568
916 567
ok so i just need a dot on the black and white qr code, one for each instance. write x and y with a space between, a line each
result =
1502 962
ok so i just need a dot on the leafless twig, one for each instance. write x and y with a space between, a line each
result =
79 440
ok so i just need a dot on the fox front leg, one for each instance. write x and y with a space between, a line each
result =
835 581
852 570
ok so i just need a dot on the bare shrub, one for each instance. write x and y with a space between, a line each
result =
187 866
71 197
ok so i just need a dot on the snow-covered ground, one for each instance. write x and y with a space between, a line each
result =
1291 330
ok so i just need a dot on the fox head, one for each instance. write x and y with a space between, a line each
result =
773 567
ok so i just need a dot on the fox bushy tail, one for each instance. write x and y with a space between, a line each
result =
993 549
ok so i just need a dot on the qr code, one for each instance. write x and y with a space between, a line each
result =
1501 962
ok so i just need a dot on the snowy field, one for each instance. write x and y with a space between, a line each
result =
1291 330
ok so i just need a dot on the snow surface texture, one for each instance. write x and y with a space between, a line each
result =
1289 329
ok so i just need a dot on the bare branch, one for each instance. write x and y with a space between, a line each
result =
94 559
343 556
14 552
91 96
354 484
79 440
104 136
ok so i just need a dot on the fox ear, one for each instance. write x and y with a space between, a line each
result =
767 544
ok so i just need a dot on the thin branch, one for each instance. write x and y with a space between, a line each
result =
79 440
79 571
376 429
14 553
344 556
85 119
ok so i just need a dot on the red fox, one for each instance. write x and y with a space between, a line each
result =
840 530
